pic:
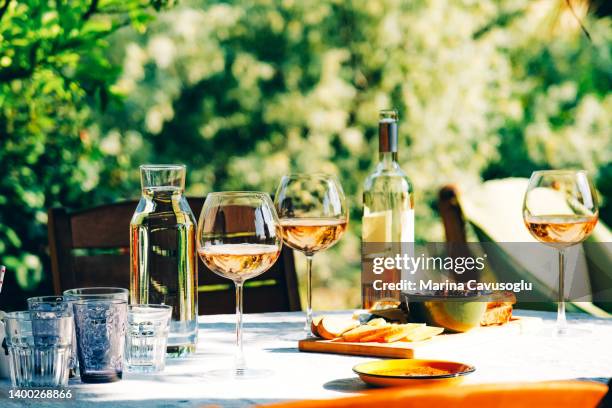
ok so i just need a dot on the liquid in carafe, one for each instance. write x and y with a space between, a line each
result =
163 254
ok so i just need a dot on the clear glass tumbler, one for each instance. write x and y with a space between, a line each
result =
41 306
147 335
97 293
39 348
100 334
92 293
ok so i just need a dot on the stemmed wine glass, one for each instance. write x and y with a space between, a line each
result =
239 237
560 210
313 214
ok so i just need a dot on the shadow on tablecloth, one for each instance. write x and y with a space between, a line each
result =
349 385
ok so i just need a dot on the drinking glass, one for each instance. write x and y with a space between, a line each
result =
313 214
147 336
99 293
560 210
100 333
39 348
239 237
45 305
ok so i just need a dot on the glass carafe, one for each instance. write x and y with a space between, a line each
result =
163 267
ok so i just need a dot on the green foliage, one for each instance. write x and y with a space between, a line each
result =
53 74
245 91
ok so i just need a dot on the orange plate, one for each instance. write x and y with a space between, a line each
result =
393 373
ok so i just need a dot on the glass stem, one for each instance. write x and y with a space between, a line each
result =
561 320
308 293
239 361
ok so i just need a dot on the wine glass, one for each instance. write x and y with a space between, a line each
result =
560 210
239 237
313 214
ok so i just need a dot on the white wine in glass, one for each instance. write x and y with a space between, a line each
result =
239 237
313 215
239 262
561 231
560 210
310 235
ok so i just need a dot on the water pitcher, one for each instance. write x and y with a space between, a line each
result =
163 267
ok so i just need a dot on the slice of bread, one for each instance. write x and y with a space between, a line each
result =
423 333
331 327
313 325
379 334
359 332
379 321
401 331
497 315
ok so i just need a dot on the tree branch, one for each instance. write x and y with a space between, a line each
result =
502 20
93 6
582 27
4 8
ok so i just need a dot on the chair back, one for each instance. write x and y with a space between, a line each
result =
92 248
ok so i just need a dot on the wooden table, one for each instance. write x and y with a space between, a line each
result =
508 355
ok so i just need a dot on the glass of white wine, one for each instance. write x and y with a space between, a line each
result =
313 214
560 210
239 237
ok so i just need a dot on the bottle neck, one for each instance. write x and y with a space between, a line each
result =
167 192
387 141
387 159
168 179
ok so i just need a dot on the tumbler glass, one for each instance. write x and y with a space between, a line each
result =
39 348
97 293
100 293
147 336
41 306
100 334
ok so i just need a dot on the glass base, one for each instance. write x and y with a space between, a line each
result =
238 373
570 331
98 378
144 369
565 332
297 336
180 351
306 333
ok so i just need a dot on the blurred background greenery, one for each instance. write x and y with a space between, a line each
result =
245 91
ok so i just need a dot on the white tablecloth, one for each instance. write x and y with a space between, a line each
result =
507 355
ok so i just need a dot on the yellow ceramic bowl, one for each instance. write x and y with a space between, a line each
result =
408 372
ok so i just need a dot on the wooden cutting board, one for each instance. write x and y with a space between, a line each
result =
411 349
390 350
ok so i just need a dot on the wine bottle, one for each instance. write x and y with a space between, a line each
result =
388 212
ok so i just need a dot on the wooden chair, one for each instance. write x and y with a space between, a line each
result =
91 248
452 215
454 227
